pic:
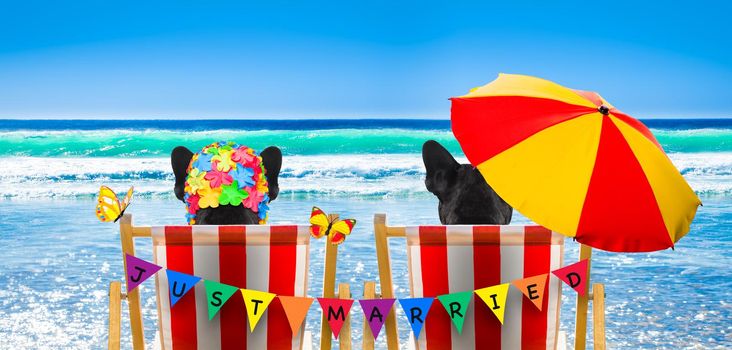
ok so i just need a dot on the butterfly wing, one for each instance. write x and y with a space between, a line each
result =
318 223
340 229
108 207
128 198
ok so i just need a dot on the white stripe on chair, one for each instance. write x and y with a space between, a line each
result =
460 279
159 256
512 268
258 279
206 266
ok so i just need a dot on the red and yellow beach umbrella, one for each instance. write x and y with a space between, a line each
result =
570 161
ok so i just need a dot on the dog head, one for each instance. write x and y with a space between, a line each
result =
244 213
465 197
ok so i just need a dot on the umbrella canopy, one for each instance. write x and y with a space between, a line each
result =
571 162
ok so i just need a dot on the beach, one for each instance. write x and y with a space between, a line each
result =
58 259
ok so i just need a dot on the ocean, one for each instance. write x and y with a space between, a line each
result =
58 259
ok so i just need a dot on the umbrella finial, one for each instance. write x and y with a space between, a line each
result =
604 110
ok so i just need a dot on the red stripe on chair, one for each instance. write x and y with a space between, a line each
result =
179 257
283 260
233 271
537 259
433 253
486 273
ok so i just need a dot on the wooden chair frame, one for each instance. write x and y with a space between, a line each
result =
128 234
382 234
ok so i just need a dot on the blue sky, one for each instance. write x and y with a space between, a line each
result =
349 59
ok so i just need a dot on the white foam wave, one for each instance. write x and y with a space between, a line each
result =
389 175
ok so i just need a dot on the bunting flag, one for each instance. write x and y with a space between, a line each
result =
336 311
416 310
375 312
217 294
296 308
179 284
456 305
575 275
256 303
495 298
533 288
138 271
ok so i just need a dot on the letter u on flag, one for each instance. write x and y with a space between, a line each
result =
256 302
138 271
575 275
179 284
335 311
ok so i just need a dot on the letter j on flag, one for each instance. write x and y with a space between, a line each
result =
138 271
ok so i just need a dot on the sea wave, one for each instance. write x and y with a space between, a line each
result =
158 142
354 175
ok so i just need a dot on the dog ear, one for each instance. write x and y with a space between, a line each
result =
179 160
272 159
441 168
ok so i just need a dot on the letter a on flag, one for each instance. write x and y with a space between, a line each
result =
375 312
335 311
416 310
533 288
217 294
256 302
296 308
179 284
495 298
138 271
456 305
575 276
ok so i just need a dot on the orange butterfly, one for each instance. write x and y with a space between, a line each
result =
321 226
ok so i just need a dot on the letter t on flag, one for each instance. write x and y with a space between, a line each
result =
256 302
375 312
138 271
575 276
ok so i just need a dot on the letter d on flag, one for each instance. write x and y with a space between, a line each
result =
575 275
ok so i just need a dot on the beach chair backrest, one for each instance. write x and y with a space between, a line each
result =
260 257
449 259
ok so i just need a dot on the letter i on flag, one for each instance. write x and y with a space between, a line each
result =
179 284
256 303
217 294
456 305
296 308
375 312
533 288
575 276
336 311
138 271
416 310
495 298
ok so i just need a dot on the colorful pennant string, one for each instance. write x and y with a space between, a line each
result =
375 310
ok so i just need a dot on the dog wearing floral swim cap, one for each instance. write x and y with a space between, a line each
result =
226 183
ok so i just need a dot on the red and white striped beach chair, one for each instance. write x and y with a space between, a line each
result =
273 258
449 259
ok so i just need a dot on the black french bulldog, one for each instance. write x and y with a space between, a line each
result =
465 197
226 214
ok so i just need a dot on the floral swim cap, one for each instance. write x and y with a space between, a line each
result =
226 173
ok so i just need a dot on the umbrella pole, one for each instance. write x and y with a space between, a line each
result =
580 329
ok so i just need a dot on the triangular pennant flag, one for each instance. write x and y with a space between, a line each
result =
574 275
495 298
296 308
456 305
217 294
336 311
375 312
416 310
138 271
533 288
179 284
256 302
